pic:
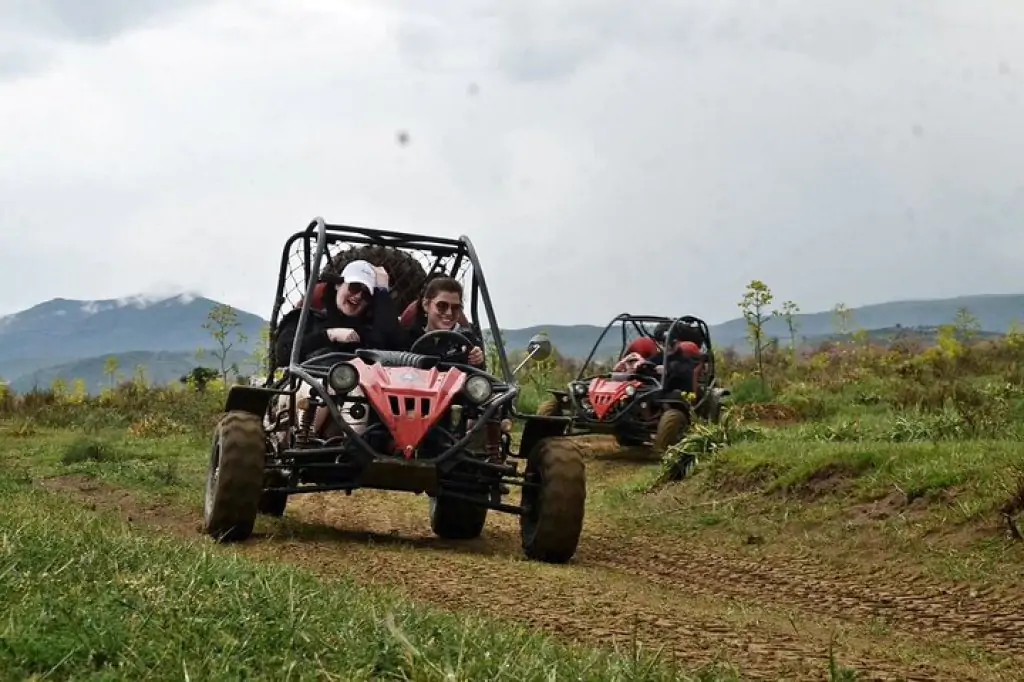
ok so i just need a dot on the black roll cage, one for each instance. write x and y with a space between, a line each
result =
638 322
313 371
440 247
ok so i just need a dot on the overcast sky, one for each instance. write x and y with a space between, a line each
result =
604 155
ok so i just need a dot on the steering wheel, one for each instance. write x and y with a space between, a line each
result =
458 336
646 372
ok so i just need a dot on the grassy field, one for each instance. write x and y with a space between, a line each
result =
868 458
87 595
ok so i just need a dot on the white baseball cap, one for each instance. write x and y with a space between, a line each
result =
361 272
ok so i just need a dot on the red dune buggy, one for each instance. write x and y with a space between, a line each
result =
661 379
398 420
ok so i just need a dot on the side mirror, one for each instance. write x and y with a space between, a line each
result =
539 348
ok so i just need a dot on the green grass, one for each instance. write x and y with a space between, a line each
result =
172 467
885 484
982 473
85 597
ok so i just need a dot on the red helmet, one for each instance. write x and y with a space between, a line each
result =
644 345
688 349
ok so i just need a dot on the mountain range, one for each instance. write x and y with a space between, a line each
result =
72 339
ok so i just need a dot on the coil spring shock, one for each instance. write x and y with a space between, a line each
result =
307 413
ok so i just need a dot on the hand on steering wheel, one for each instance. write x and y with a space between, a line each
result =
461 338
650 366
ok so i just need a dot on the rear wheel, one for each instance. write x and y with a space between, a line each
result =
234 479
671 429
456 519
553 521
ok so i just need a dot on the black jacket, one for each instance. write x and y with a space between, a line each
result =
377 328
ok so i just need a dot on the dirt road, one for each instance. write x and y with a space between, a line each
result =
774 620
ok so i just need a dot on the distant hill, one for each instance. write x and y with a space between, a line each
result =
72 339
49 339
923 335
995 313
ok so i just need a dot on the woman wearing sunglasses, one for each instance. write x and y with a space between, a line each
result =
355 313
440 308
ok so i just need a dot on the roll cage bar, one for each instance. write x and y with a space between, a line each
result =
314 370
319 235
638 323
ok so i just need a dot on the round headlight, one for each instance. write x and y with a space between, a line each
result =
343 377
630 391
478 388
580 389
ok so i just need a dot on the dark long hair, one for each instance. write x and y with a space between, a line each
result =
436 285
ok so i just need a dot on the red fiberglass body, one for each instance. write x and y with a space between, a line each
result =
409 401
605 394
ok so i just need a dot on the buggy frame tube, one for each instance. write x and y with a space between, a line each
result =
637 321
621 317
485 294
440 246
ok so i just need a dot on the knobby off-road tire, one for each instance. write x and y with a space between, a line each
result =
713 411
273 504
456 519
551 528
671 428
234 479
549 408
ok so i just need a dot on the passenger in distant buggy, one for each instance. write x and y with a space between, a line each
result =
645 355
686 357
441 308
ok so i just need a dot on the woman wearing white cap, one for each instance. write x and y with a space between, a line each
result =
355 312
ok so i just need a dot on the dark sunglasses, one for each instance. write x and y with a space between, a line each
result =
444 307
356 288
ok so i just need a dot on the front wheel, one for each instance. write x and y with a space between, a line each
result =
554 501
234 479
671 429
456 519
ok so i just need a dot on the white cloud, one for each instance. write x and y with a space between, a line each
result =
602 157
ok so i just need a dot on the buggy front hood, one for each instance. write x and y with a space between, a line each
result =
409 401
605 394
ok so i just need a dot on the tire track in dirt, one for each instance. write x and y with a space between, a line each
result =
991 621
699 606
382 539
576 602
988 619
617 588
